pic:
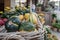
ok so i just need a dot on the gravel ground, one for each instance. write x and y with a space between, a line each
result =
57 34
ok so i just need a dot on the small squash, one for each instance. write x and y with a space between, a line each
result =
1 12
33 18
27 26
41 14
21 17
26 16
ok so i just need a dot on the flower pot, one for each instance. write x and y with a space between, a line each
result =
52 28
54 20
55 29
59 30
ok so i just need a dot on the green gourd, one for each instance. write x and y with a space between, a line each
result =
27 26
13 24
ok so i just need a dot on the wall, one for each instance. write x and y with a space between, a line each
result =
7 3
1 5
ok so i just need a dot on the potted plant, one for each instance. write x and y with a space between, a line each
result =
58 27
54 26
54 15
38 7
54 18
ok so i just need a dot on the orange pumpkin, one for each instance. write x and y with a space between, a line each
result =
21 17
26 16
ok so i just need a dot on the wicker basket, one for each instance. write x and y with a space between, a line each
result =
33 35
10 36
22 36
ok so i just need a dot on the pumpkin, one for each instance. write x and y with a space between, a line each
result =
7 9
27 26
26 16
5 19
21 17
1 12
1 22
41 19
24 8
13 24
41 14
9 14
15 19
33 18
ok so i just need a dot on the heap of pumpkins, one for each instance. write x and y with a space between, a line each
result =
22 23
21 19
29 17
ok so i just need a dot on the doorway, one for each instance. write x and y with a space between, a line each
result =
1 5
33 1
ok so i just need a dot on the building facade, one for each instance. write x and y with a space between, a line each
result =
13 3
